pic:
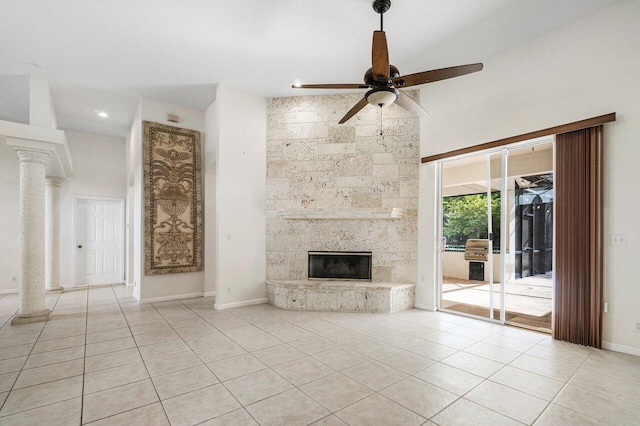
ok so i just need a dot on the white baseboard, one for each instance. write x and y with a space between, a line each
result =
219 306
209 294
10 291
90 286
172 297
426 307
621 348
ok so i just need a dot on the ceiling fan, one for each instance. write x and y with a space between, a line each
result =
384 79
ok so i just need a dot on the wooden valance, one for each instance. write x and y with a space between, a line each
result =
564 128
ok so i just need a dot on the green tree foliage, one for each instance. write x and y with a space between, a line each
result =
465 217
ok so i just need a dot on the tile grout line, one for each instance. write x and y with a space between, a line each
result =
84 358
562 390
115 387
138 349
367 327
368 336
25 362
339 372
214 374
292 384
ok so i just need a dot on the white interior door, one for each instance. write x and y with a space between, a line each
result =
99 241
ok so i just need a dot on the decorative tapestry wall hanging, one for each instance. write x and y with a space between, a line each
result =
172 200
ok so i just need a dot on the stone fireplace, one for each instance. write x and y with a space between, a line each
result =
341 188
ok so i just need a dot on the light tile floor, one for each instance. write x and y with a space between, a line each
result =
105 360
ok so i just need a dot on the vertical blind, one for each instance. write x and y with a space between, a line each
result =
579 240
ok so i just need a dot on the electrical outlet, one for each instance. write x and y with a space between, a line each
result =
14 278
636 325
618 239
228 289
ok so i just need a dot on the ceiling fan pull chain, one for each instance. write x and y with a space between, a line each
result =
381 121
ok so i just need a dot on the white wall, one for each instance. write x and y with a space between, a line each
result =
14 92
42 111
98 171
240 198
163 286
134 200
428 235
9 217
586 68
211 126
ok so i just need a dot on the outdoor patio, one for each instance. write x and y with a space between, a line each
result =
528 300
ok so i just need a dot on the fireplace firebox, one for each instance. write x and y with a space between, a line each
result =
340 265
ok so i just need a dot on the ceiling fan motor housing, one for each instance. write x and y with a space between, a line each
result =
368 77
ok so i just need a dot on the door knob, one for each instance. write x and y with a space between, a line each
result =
80 246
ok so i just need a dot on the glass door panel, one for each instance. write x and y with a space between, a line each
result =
529 210
471 211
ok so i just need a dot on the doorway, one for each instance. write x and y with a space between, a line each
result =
496 225
99 241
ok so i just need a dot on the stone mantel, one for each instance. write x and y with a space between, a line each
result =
345 214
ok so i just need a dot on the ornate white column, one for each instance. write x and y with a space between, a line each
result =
33 164
52 230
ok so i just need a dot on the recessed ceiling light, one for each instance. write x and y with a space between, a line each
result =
103 114
33 65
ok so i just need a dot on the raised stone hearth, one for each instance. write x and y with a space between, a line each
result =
341 296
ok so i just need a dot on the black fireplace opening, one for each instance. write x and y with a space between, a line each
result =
340 265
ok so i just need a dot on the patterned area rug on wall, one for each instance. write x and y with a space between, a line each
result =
172 199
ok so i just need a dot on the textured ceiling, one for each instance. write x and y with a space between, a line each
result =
103 55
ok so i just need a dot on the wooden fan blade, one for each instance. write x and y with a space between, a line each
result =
331 86
380 57
410 105
353 111
435 75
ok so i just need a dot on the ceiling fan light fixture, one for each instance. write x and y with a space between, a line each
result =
382 96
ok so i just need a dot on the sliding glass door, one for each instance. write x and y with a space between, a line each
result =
496 227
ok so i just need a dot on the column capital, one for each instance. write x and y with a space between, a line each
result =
54 181
30 155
